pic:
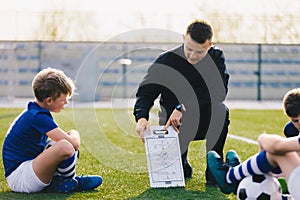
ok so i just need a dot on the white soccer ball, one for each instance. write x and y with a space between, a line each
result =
259 187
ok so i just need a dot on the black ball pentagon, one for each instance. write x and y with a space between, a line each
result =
264 196
258 178
242 194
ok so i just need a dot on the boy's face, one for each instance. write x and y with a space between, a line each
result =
193 51
58 104
296 122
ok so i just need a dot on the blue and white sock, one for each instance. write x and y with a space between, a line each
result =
255 165
67 167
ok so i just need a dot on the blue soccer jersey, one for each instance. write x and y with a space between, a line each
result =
26 137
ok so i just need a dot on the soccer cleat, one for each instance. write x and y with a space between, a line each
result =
232 159
61 184
86 183
219 169
187 170
210 179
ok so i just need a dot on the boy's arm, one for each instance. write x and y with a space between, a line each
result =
72 136
276 144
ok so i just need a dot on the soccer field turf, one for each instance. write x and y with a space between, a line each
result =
111 148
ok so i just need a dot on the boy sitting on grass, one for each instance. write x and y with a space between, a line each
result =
276 154
29 165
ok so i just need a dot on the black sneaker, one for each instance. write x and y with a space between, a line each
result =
210 179
187 170
86 183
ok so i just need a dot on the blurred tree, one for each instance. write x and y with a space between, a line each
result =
62 25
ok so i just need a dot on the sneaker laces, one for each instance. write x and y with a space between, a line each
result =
234 162
82 180
222 165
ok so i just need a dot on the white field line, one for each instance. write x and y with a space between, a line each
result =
243 139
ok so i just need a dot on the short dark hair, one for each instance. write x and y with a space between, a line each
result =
291 103
200 31
52 83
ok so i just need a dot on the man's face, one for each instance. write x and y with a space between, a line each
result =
193 51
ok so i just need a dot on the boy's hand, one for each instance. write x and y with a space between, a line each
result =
72 136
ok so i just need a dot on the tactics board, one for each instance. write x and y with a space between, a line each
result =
164 158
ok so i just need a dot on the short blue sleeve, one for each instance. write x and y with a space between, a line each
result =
43 123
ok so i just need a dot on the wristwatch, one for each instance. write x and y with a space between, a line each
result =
180 107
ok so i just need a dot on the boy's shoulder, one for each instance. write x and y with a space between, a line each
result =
34 114
34 108
33 118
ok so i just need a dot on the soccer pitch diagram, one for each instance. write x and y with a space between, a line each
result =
164 158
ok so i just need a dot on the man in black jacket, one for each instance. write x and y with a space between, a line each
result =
192 83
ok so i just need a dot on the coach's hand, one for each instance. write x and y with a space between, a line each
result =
141 125
174 120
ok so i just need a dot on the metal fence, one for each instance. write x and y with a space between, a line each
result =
258 72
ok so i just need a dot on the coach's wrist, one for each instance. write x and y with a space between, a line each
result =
180 107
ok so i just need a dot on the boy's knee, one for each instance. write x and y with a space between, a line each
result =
65 147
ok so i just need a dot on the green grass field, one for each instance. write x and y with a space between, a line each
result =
111 148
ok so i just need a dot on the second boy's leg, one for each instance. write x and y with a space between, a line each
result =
287 162
228 177
260 163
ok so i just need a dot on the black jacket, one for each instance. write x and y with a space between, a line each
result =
177 81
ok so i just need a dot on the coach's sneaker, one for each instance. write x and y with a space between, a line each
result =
210 179
219 169
86 183
232 159
187 170
61 184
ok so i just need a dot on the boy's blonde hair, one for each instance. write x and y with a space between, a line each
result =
291 103
52 83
